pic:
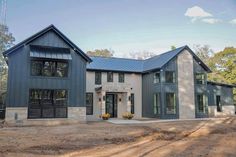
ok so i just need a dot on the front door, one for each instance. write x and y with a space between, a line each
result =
111 104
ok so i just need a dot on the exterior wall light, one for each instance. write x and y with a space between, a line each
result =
104 98
100 99
120 99
129 98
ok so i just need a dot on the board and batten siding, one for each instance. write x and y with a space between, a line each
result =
200 89
226 100
150 88
20 79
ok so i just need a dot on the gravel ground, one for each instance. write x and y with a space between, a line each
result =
182 138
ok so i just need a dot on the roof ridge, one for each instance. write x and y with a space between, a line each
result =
117 58
166 52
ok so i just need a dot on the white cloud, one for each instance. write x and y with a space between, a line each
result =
211 20
197 12
233 22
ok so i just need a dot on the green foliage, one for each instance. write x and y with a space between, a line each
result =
102 52
6 41
173 47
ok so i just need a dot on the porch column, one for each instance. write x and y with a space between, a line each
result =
128 101
103 101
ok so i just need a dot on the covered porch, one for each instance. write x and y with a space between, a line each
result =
114 99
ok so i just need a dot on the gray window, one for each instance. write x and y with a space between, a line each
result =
200 78
121 77
36 68
98 78
132 103
170 103
89 103
157 77
49 68
170 77
109 76
201 103
157 104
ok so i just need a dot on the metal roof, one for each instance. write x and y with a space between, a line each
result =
221 84
116 64
49 52
138 66
42 32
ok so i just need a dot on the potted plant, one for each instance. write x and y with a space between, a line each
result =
105 116
127 115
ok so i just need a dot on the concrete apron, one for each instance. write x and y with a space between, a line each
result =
123 121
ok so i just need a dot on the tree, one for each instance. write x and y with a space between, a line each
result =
6 41
101 52
173 47
203 52
141 55
223 65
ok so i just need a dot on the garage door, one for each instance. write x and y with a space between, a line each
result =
47 103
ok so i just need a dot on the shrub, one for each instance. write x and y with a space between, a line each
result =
127 115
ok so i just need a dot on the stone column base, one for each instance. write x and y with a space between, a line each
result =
17 116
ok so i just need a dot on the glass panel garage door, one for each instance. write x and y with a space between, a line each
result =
47 103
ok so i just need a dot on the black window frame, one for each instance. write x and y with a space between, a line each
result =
202 80
54 70
99 76
169 105
121 77
109 79
157 103
201 108
91 105
155 78
44 103
132 103
173 76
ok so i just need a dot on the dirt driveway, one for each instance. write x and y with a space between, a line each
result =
183 138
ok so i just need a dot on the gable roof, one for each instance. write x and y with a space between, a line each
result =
139 66
42 32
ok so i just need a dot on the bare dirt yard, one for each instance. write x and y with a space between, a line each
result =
214 138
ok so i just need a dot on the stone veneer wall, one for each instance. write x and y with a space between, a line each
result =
75 114
186 85
228 110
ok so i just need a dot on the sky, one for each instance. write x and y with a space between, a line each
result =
128 26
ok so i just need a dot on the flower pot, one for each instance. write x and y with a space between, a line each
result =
105 118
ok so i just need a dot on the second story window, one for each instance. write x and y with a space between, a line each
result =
170 77
200 78
121 77
109 76
49 68
157 77
98 78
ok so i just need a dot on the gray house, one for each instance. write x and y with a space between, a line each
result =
49 77
46 78
167 86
